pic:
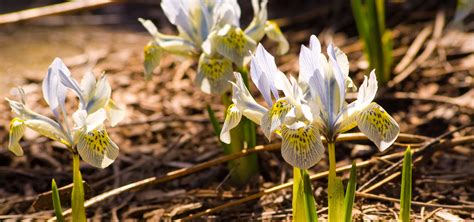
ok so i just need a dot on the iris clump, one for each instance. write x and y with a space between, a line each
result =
302 110
83 132
210 31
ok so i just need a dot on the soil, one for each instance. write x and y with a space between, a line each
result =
167 128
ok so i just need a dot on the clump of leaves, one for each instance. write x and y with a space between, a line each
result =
369 16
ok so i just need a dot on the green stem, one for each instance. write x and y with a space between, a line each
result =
332 160
332 184
242 169
77 196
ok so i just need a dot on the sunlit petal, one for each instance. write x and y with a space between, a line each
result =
101 95
17 129
232 119
378 126
153 54
178 14
232 43
262 71
367 91
96 148
256 28
245 102
115 113
335 56
274 33
88 84
39 123
54 92
214 74
272 119
301 145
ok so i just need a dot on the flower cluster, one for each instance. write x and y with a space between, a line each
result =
210 30
311 106
87 136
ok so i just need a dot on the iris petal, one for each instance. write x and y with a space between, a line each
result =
301 146
378 126
232 119
232 43
17 129
96 148
214 74
272 119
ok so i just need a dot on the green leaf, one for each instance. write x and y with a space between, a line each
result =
336 199
77 197
215 123
304 207
350 194
369 16
56 202
405 194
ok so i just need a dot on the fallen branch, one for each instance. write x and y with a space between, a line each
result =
431 46
418 203
52 10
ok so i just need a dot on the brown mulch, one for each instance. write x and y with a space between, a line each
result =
167 128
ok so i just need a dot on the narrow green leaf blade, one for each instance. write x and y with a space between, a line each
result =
350 194
405 194
56 202
215 123
304 207
77 197
336 202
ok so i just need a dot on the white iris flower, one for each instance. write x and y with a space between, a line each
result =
87 136
210 30
311 106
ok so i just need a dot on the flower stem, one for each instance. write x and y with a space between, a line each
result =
241 169
335 187
77 196
332 159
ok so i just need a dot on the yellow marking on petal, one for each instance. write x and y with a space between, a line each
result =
17 129
96 148
301 147
272 120
233 44
152 58
232 119
380 119
378 126
216 72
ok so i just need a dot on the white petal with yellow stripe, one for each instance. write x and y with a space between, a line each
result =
274 117
232 119
17 129
96 148
378 126
214 74
232 43
301 145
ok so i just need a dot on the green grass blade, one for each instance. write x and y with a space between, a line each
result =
77 197
350 194
405 194
56 202
304 207
336 203
214 121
